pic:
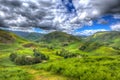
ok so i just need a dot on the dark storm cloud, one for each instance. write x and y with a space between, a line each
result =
53 14
2 23
113 7
11 3
21 13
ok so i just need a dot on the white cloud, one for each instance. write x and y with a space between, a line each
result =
53 14
30 29
88 32
115 27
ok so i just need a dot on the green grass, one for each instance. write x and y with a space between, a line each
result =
101 63
99 67
106 51
11 71
14 73
91 68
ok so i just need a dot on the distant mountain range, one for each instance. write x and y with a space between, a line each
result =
99 43
28 35
58 36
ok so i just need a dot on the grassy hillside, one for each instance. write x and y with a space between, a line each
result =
8 37
10 41
32 36
94 58
88 68
102 43
107 38
59 37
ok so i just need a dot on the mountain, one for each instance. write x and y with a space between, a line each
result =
102 42
111 38
58 37
29 35
9 37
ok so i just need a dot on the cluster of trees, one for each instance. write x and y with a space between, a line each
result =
27 60
66 54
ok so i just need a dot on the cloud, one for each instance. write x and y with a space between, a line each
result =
102 21
63 15
19 29
115 27
88 32
30 30
116 16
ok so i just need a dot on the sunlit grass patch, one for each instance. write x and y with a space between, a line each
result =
14 73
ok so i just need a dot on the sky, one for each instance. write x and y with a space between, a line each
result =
77 17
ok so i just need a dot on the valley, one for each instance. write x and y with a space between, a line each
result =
95 57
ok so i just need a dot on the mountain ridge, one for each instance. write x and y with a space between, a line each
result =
9 37
58 36
32 36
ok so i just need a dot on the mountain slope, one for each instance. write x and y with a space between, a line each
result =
58 37
29 36
33 36
8 37
104 42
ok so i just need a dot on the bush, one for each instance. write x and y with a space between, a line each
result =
37 60
66 54
27 60
12 56
20 60
40 55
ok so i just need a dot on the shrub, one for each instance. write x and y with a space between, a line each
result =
40 55
37 60
66 54
12 56
20 60
27 60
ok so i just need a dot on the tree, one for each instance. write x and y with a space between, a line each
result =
24 60
13 56
40 55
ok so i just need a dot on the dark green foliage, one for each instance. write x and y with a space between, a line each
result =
27 60
13 56
117 48
65 44
24 60
37 60
36 53
50 47
83 47
66 54
40 55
